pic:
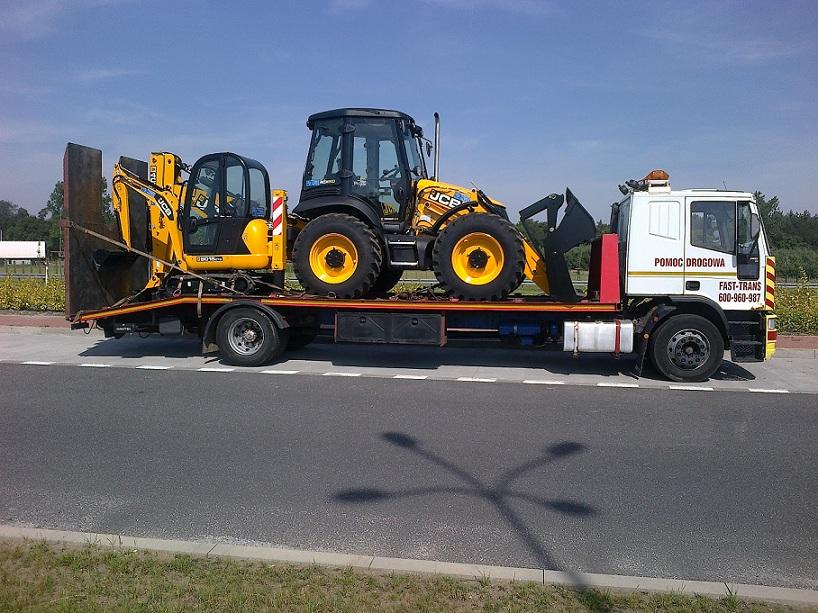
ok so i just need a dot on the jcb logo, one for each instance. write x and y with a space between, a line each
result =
444 199
152 174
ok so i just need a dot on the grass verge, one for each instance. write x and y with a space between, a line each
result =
37 576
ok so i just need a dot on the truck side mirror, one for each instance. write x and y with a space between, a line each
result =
428 149
755 226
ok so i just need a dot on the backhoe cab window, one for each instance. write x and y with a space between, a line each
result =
417 165
324 162
376 164
713 226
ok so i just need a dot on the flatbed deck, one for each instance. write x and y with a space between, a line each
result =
444 305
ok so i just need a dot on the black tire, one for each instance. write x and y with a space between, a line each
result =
367 246
511 272
388 279
300 338
248 337
687 348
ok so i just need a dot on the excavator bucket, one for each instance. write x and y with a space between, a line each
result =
554 238
97 276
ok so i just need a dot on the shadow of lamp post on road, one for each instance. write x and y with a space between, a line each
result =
498 494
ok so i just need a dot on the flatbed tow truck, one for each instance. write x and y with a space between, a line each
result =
682 276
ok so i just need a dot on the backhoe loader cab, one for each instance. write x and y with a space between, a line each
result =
369 210
364 160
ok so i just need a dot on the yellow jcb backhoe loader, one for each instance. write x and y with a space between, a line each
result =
369 210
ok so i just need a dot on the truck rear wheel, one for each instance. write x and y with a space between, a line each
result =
337 254
248 337
479 257
687 348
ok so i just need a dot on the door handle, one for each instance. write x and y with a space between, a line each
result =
692 286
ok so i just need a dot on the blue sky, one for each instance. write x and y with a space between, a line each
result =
534 95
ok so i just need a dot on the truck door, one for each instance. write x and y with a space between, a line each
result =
655 256
712 252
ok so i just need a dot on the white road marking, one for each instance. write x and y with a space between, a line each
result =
38 363
153 367
691 388
476 380
95 365
279 372
767 391
342 374
213 369
607 384
416 377
543 382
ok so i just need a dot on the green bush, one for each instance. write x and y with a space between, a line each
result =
32 295
797 309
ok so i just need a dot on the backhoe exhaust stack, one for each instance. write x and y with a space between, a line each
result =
437 147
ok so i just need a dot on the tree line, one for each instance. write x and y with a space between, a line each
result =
17 224
793 236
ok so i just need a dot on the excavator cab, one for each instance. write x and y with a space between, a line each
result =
225 213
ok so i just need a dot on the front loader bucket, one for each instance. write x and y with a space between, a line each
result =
97 274
554 240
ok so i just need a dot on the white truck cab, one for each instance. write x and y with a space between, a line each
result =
702 250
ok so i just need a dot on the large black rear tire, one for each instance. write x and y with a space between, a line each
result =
479 257
337 254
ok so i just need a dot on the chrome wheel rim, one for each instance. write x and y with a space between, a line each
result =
245 336
688 349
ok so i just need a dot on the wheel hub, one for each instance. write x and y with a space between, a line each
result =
478 258
245 336
688 349
335 258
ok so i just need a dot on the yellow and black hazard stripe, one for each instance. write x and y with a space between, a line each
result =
769 283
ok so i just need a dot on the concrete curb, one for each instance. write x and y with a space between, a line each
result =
426 567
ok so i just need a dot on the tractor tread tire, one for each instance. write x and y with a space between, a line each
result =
388 279
509 238
367 244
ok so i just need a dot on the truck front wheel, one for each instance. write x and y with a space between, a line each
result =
247 337
687 348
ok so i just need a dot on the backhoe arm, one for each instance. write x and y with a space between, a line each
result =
164 200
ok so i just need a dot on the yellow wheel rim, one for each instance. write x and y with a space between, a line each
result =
333 258
477 258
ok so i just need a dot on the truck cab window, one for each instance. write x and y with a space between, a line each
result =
713 225
744 228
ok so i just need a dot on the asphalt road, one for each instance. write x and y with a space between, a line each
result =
655 482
